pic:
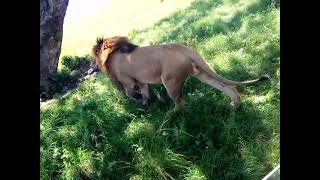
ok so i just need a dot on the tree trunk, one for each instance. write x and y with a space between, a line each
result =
52 13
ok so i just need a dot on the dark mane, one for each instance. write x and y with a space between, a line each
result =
128 48
112 44
97 47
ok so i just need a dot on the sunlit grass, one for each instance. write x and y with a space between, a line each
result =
98 133
87 19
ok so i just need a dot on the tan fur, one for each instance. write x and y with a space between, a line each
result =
168 64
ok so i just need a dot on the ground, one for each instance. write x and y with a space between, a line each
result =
95 132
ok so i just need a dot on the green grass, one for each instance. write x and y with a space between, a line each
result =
98 133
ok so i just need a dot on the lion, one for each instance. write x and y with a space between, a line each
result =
132 68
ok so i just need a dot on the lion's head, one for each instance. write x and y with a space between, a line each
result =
105 47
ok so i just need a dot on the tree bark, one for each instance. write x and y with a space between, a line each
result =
52 13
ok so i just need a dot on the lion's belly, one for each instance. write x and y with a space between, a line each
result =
148 76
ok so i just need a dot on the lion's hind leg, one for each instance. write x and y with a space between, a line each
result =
174 90
229 90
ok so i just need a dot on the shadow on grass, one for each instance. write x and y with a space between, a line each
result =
220 142
74 70
87 140
92 138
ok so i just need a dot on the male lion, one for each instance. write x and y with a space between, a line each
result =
132 68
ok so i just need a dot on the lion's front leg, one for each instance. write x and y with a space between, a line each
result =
132 94
144 89
131 91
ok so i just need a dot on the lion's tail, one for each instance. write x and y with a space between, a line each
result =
198 61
